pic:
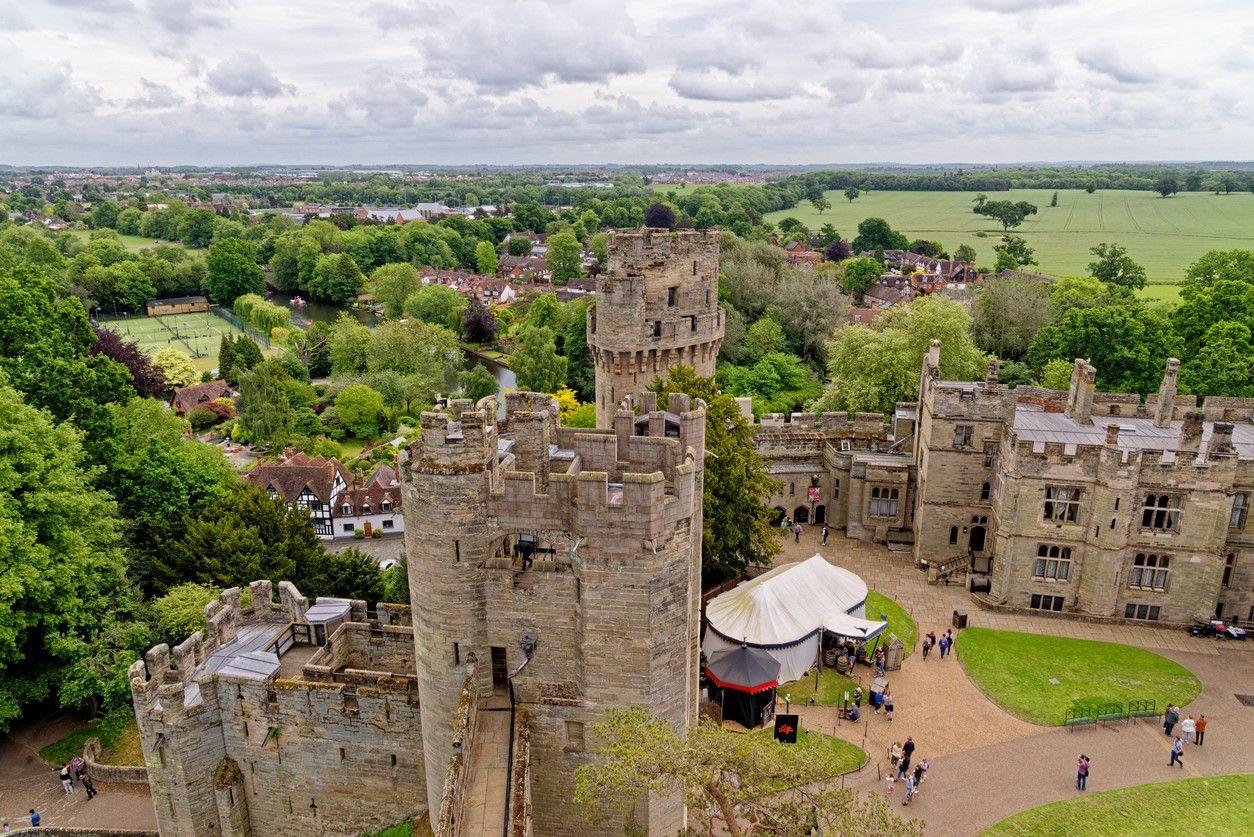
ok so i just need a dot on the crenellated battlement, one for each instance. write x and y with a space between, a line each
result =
837 424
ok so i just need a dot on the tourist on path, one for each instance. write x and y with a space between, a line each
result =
928 642
1177 753
67 780
1188 728
34 818
894 754
888 703
910 788
826 532
796 533
1170 719
944 646
5 828
1082 772
904 767
88 786
1201 730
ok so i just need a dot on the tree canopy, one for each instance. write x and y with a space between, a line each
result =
233 271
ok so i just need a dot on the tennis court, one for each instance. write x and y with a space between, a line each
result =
200 335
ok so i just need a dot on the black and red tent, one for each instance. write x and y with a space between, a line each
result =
744 679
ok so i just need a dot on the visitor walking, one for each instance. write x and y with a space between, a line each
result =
1201 730
796 533
904 767
826 532
888 784
1082 772
928 642
785 523
888 703
907 749
88 786
35 819
67 780
1170 719
894 754
1188 729
944 646
910 788
1177 753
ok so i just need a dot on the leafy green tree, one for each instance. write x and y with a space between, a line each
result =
579 368
564 258
585 415
360 408
104 214
860 275
1216 265
176 366
266 415
1091 188
1128 344
64 586
876 234
1114 266
1224 365
764 337
778 383
519 245
336 279
128 221
537 365
196 228
181 612
1167 185
485 258
1053 201
247 354
233 271
428 356
1008 313
1013 253
1057 374
737 528
820 203
871 369
1204 306
852 194
529 216
599 246
348 345
396 582
731 783
1007 213
226 358
965 253
438 305
245 536
477 382
350 574
545 312
392 284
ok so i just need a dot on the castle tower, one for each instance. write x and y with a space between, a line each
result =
446 480
656 308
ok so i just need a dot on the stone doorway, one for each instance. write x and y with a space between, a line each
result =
500 669
820 514
801 515
976 542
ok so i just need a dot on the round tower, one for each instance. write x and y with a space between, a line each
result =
656 308
446 481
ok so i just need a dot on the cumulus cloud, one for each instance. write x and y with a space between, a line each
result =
185 18
532 43
721 86
387 103
153 96
245 74
46 93
1112 65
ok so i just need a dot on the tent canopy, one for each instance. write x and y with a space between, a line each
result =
792 603
744 669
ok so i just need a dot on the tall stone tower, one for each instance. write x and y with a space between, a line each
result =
656 308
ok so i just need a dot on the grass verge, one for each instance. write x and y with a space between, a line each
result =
117 733
845 757
1017 672
1211 805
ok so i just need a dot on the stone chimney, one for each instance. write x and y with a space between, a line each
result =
1080 396
1220 440
990 377
1191 433
1112 434
932 361
1166 394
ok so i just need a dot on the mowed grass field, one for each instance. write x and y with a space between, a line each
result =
1164 234
132 242
199 335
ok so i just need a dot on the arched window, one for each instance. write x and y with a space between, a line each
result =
1053 562
953 534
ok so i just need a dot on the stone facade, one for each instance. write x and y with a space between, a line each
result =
606 615
656 308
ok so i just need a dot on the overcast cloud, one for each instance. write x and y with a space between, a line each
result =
158 82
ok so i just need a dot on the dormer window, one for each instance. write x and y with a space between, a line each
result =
386 505
365 508
346 508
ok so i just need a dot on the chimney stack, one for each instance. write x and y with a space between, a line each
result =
1166 394
1191 433
1220 440
1080 396
990 377
1112 434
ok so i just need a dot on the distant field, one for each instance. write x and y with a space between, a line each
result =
132 242
199 335
1164 234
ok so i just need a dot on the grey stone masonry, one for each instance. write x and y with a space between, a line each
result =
656 308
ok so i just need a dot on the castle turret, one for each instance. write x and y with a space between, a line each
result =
657 308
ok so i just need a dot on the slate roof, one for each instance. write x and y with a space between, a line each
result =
1136 433
383 484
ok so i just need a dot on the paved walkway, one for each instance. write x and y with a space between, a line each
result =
483 804
987 764
26 782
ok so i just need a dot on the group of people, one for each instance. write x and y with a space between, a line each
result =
899 758
33 816
946 643
1189 728
788 525
69 773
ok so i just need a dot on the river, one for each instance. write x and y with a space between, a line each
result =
303 315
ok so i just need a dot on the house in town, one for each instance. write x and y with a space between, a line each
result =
186 399
373 505
312 483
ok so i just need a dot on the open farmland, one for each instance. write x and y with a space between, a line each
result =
1164 234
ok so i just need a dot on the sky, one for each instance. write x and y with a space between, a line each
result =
167 82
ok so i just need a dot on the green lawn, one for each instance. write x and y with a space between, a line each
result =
1162 292
1015 670
1164 234
1213 805
845 756
117 733
899 622
132 242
